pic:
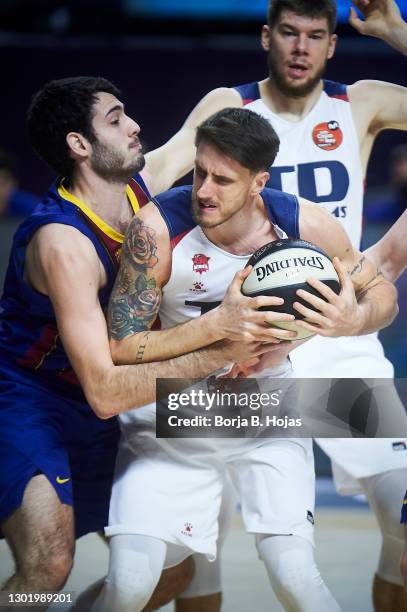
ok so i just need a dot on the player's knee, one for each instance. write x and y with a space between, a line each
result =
50 569
291 566
131 583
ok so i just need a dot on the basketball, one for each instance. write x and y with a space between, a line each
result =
280 268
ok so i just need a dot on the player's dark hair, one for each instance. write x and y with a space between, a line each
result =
60 107
309 8
242 135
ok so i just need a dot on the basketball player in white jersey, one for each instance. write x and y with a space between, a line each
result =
327 131
182 250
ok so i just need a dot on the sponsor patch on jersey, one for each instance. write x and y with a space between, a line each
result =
198 287
187 531
399 446
200 263
327 136
310 517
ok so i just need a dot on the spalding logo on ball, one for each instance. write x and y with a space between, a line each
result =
280 268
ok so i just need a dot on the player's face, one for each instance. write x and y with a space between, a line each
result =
298 49
116 154
221 187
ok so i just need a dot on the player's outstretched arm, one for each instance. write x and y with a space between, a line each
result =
390 253
381 19
64 265
175 158
136 297
367 301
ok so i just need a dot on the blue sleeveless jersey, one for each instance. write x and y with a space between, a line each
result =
175 208
29 336
404 510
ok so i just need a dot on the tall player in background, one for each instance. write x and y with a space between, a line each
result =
327 131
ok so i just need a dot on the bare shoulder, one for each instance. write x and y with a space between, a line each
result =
229 96
147 245
64 243
58 251
149 216
361 91
318 226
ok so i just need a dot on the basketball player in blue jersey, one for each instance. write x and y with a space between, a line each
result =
327 131
224 217
58 383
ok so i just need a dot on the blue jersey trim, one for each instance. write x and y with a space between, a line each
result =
175 208
248 92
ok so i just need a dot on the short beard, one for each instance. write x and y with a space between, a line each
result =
109 164
287 89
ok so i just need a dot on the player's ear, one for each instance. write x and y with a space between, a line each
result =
332 45
78 144
260 181
265 38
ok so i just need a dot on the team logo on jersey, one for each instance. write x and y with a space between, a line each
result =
399 446
200 263
327 136
310 517
187 531
198 287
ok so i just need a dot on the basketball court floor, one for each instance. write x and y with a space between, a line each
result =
347 551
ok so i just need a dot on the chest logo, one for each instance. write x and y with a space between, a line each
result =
200 263
198 287
327 136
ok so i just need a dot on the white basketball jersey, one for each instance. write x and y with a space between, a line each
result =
200 275
319 159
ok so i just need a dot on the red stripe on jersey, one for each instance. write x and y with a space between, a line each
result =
178 238
44 346
247 101
341 97
141 195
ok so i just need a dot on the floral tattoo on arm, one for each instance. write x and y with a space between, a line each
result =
135 298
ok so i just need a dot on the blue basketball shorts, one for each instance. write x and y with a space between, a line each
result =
404 510
45 432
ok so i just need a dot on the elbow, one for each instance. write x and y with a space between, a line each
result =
102 406
394 313
117 352
101 400
393 310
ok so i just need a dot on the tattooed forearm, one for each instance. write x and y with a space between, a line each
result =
358 268
140 246
134 312
142 347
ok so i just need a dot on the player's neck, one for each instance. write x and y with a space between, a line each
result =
106 199
245 232
292 109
